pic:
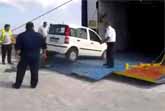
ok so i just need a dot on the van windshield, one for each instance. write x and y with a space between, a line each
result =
57 29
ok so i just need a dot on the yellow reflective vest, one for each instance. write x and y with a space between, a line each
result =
3 35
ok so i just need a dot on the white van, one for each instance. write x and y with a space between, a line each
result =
74 41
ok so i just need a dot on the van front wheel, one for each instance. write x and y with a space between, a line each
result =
72 55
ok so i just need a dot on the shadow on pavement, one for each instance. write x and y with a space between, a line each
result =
11 69
6 84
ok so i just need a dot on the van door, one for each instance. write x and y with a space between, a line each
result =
56 34
82 41
95 44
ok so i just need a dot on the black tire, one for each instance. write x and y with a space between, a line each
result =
72 55
103 56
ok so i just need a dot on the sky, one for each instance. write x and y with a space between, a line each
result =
18 12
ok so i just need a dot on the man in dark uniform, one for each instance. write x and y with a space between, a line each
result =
28 45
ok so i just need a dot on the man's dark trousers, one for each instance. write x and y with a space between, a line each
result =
6 50
110 53
33 63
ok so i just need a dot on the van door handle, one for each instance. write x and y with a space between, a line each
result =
78 40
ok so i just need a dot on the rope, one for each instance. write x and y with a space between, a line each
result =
163 60
65 3
157 58
94 13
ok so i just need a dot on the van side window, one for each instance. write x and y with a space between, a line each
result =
94 37
82 33
73 32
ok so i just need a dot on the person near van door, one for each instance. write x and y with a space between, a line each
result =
6 39
43 30
110 39
28 45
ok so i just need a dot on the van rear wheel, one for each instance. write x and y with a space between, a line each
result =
72 55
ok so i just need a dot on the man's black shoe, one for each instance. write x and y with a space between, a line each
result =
33 86
10 63
109 66
15 86
3 63
105 64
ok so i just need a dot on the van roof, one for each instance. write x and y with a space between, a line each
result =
72 25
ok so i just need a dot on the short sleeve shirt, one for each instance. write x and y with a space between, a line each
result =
111 34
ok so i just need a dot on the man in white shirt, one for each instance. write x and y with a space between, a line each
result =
43 30
110 39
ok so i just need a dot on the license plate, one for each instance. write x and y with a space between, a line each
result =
53 39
